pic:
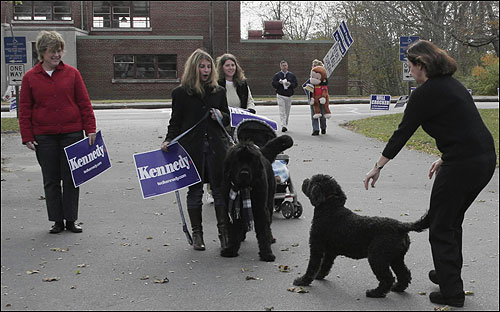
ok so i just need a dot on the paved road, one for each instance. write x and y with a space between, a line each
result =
128 242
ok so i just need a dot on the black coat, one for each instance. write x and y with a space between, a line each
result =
187 110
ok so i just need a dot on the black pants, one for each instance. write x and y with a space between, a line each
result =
62 203
456 187
195 192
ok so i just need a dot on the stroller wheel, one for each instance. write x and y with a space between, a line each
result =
298 210
287 209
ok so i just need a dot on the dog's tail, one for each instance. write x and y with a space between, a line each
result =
418 226
276 146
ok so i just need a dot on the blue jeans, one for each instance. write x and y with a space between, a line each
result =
321 121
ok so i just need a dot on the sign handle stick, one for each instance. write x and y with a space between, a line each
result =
184 226
17 101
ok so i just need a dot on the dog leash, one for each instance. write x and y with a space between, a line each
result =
219 120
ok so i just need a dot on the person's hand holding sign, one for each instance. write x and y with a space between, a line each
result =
164 146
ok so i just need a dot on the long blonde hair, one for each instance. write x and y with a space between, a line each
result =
191 80
239 74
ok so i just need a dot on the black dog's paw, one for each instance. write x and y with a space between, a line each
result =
302 281
375 293
228 253
267 257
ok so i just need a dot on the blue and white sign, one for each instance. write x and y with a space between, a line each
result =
380 102
239 114
339 49
402 101
15 49
162 172
87 161
404 42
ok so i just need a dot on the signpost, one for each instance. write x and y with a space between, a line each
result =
15 58
15 72
404 42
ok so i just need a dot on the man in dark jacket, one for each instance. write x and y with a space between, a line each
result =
284 82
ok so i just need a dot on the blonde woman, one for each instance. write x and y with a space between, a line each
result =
206 143
54 112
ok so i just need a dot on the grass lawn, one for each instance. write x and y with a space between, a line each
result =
10 124
382 127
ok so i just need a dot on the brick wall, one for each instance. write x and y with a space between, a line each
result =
260 61
259 58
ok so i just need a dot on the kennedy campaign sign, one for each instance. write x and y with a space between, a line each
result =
240 114
87 161
162 172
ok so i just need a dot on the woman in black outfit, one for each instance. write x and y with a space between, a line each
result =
446 111
206 143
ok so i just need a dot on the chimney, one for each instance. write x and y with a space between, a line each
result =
254 34
273 29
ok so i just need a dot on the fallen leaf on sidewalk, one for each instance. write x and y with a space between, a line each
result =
284 268
161 281
51 279
32 272
299 290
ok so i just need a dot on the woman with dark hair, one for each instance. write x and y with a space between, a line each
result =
232 78
446 111
206 143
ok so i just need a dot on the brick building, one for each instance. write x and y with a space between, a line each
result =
137 49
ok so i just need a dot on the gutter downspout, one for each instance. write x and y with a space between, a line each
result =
227 26
81 14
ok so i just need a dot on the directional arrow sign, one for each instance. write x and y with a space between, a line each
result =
16 73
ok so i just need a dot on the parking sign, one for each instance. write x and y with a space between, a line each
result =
15 50
404 42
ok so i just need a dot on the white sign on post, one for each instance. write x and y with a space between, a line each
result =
339 49
406 73
15 74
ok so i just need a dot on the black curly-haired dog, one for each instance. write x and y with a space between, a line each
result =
337 231
246 167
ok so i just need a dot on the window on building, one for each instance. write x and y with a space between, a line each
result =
121 14
42 11
145 66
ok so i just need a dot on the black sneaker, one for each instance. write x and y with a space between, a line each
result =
315 132
323 131
455 301
433 277
284 129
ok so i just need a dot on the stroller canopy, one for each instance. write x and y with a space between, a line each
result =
257 131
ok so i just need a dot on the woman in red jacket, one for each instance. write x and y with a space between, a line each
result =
54 109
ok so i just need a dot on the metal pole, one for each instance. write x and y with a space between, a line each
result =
17 101
184 226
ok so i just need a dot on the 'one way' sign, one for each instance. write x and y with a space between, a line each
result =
16 73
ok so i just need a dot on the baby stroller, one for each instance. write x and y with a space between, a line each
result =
285 198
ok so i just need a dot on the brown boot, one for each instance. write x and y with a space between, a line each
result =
195 217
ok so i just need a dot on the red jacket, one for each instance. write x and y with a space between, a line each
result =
53 105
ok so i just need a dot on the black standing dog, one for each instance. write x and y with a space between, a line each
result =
338 231
248 170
